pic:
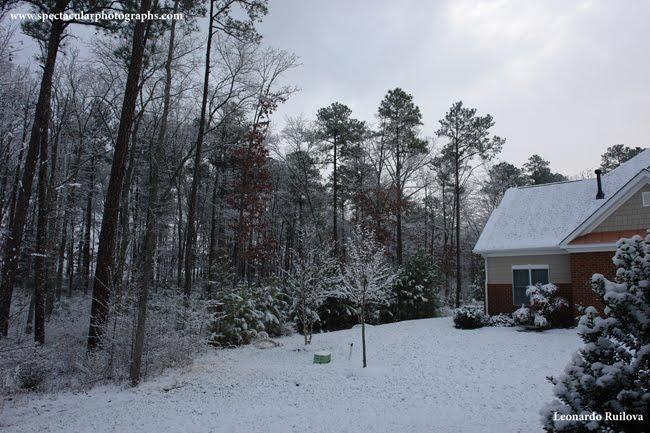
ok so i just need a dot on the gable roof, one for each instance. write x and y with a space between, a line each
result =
540 217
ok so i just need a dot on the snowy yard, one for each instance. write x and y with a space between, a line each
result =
423 376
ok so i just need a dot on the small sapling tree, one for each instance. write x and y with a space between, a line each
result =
314 272
367 278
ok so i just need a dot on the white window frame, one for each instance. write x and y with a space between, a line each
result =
530 275
645 198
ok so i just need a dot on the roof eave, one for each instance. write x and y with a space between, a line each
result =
529 251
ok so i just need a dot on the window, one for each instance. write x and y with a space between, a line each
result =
524 276
645 198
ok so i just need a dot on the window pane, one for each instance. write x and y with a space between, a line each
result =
520 277
519 284
519 296
539 276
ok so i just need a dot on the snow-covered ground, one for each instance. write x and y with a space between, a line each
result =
422 376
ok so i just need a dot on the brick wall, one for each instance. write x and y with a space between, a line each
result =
583 266
500 297
578 292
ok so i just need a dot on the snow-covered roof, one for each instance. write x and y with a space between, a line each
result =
539 217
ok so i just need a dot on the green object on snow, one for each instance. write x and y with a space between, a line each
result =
322 357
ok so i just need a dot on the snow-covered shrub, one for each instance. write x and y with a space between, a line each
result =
610 374
336 314
247 312
241 320
544 308
501 321
274 304
521 316
415 292
469 317
29 375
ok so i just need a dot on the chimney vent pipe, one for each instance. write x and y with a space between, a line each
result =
600 194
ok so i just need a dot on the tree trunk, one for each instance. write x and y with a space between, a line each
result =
335 230
41 245
64 241
179 260
398 187
457 192
102 283
89 216
4 176
152 214
53 213
125 235
191 212
363 335
213 226
70 258
11 251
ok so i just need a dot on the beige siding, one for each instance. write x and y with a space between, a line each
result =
500 268
630 215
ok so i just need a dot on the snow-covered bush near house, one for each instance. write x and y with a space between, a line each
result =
501 321
521 316
470 317
544 308
611 372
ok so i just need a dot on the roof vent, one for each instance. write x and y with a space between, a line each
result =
600 194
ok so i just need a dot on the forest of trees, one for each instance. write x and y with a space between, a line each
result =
150 167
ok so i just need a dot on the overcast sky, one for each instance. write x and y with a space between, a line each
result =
564 79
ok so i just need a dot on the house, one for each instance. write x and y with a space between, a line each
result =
562 233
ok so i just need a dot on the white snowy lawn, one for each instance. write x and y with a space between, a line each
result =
423 376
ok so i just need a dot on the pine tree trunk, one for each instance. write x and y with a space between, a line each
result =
4 176
179 258
11 251
125 228
398 185
52 203
89 217
191 213
457 192
103 278
335 230
14 190
152 217
70 258
62 245
41 244
213 227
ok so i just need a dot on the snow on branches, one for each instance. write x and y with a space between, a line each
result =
608 380
367 278
544 308
313 274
